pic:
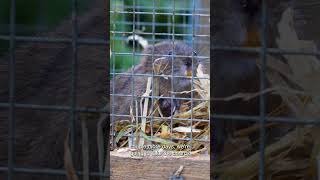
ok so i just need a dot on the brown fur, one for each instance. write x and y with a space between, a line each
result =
123 83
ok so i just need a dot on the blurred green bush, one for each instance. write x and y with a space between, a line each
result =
125 22
32 14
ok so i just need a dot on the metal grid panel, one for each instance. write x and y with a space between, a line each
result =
11 169
11 105
185 30
263 50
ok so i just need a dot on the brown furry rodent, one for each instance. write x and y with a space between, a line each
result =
43 77
163 54
237 24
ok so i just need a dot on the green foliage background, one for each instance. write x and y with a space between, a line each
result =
48 13
33 13
118 44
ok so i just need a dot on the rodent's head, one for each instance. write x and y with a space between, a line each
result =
177 59
239 22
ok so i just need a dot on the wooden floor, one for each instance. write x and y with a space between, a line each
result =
195 168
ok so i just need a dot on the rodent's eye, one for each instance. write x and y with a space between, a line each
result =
187 63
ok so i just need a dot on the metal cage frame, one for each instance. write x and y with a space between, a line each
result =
263 50
72 109
171 36
75 41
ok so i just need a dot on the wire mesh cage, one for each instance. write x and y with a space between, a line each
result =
260 50
156 101
162 99
43 100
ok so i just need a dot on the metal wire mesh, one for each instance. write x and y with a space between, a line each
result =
73 109
263 50
153 37
155 21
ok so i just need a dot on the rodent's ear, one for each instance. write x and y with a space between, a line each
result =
160 61
160 64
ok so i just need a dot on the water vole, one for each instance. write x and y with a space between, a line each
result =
177 60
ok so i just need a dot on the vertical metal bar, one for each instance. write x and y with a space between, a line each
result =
74 73
12 98
138 15
192 66
133 58
262 87
184 22
169 26
153 42
113 77
172 64
103 139
190 21
85 150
